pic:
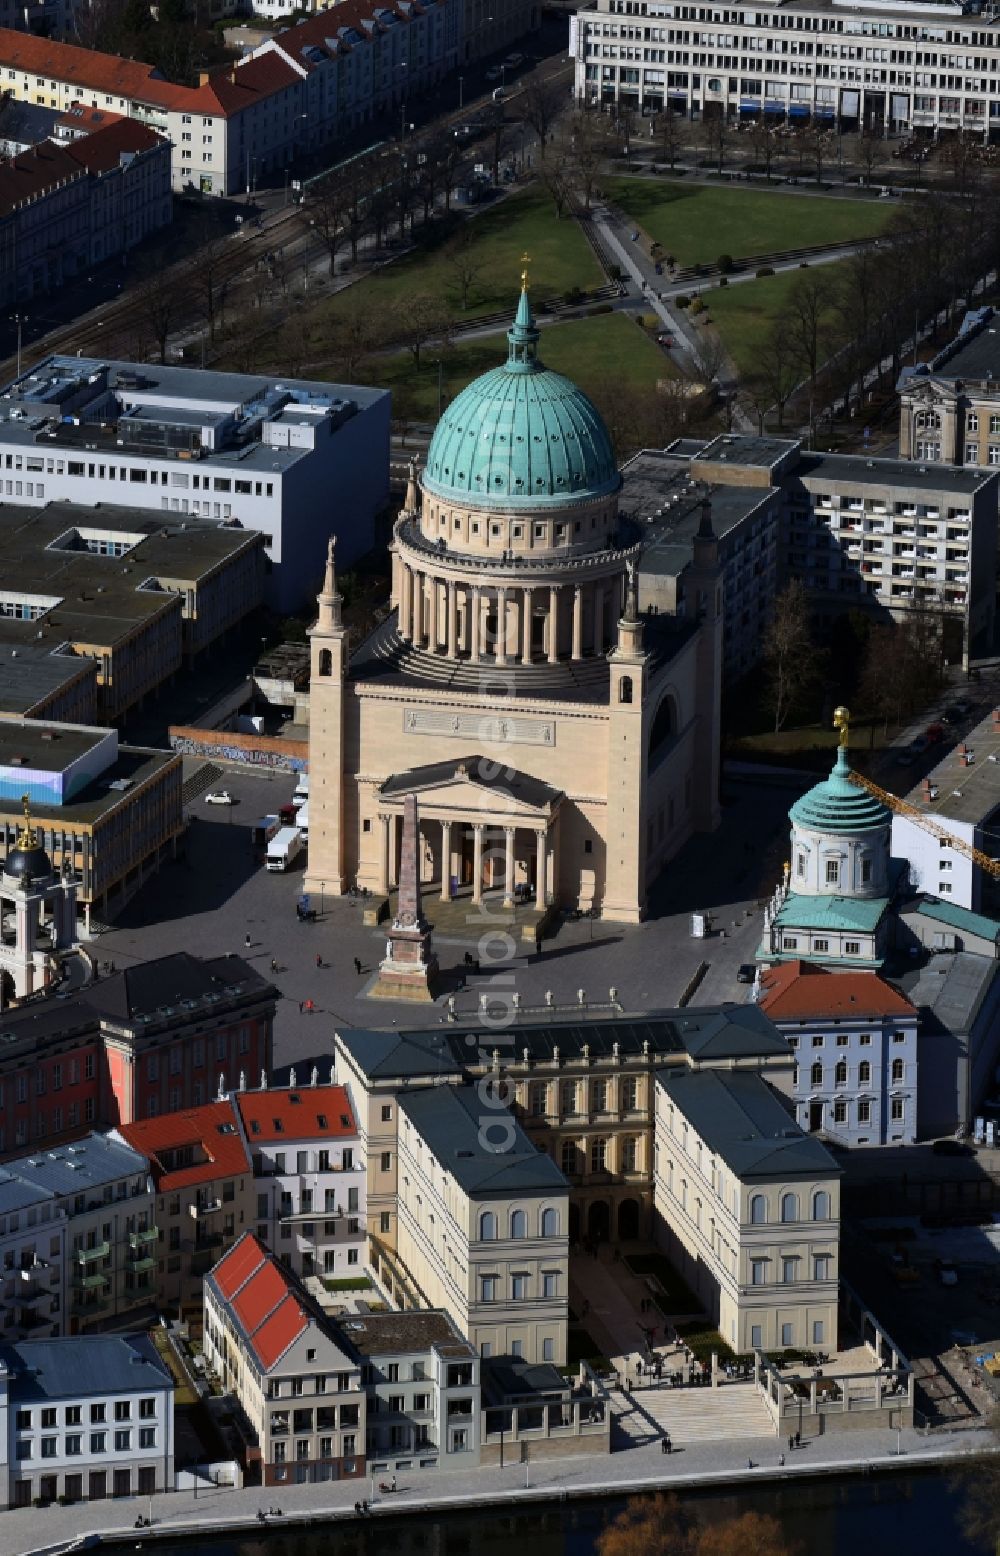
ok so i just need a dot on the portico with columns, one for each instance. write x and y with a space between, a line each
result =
553 738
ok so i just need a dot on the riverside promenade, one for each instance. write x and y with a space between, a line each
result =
185 1514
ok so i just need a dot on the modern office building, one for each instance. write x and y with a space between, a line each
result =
46 683
748 1206
665 490
856 1044
84 1419
956 804
885 69
296 461
108 814
153 1039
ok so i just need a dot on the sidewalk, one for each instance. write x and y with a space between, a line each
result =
184 1513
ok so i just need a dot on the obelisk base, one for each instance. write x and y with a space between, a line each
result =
410 969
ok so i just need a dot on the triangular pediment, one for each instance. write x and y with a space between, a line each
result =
467 783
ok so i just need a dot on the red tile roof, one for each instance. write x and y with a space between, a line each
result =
323 29
35 173
262 1298
297 1113
798 991
214 1129
277 1333
225 93
243 1259
102 151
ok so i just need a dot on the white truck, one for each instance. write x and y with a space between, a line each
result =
302 821
301 790
284 847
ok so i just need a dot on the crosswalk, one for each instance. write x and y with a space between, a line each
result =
687 1416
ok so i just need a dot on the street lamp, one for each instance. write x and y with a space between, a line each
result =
20 319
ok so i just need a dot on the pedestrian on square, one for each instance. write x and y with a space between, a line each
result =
319 959
309 1007
301 1006
246 941
798 1439
357 965
781 1461
791 1443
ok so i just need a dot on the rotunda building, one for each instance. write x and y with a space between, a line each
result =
561 747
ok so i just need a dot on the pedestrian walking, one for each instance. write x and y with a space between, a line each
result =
394 1483
781 1461
319 959
309 1007
749 1464
246 941
301 1006
798 1439
357 965
791 1443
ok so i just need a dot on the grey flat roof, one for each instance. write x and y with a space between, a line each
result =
485 1150
46 745
708 1032
172 981
973 354
658 490
16 1194
945 479
762 453
970 794
29 674
952 988
375 1333
83 1365
134 767
73 1169
739 1117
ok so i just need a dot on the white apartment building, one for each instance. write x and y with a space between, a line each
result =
749 1209
295 94
296 460
309 1177
32 1253
422 1384
890 68
483 1221
100 1196
854 1037
84 1419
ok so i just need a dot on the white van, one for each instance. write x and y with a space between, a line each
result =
301 790
302 821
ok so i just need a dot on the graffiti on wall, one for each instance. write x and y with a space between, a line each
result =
287 756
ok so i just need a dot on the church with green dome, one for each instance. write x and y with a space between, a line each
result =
561 747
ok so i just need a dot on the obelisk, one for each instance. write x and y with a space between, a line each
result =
409 969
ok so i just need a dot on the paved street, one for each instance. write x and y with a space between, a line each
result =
208 902
183 1513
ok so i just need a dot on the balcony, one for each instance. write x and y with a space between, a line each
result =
141 1265
142 1239
206 1207
91 1255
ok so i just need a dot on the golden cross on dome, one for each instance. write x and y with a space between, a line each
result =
27 838
525 261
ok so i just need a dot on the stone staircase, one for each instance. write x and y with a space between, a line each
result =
729 1413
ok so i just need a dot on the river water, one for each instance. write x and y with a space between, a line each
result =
886 1515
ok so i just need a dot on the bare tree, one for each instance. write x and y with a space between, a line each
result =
208 277
587 147
673 135
763 143
161 303
808 327
465 264
789 653
356 332
540 103
423 320
326 212
718 136
710 358
777 371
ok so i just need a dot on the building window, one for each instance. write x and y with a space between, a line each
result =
864 1073
630 1094
758 1272
758 1209
570 1157
800 866
537 1099
789 1207
821 1205
840 1111
821 1266
897 1070
840 1073
866 872
788 1269
567 1098
487 1227
864 1111
519 1287
550 1223
629 1154
98 1442
598 1155
816 1075
852 947
550 1284
821 947
832 872
818 1334
896 1110
123 1440
519 1224
488 1288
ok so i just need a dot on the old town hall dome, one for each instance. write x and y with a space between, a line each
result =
520 436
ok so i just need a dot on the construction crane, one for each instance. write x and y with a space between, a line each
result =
841 721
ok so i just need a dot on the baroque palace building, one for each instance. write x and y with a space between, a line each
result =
559 744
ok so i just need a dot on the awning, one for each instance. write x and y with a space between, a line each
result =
799 111
824 110
749 107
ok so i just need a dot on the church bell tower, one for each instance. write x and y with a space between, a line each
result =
328 663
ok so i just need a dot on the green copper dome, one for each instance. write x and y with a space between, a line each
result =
838 805
520 436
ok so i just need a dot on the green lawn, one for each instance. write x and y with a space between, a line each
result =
589 351
696 223
744 314
561 259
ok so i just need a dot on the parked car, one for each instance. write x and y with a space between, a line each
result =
919 745
219 797
959 709
935 733
946 1272
746 972
663 339
513 61
494 73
